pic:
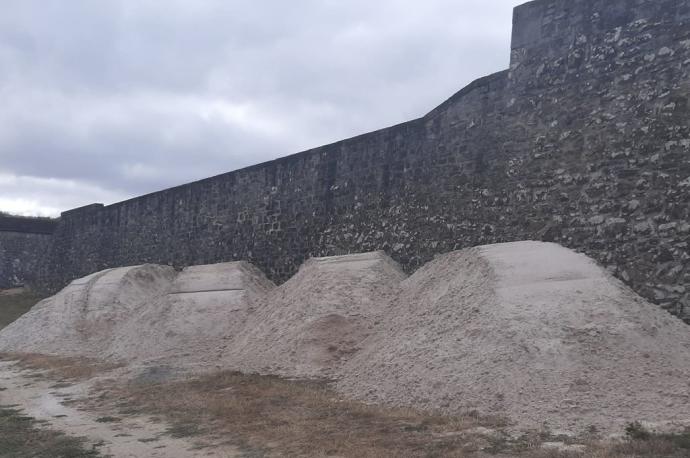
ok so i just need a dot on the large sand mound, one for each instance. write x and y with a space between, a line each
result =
528 330
144 313
318 319
191 325
85 317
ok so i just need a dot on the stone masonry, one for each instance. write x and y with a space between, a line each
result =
23 242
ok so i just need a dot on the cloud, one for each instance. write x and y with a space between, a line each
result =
106 100
23 195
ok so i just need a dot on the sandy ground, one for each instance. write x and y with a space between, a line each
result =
131 437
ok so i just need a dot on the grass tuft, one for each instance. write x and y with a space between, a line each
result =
107 419
57 367
636 431
15 303
21 438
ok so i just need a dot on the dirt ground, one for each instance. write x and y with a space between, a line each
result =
42 398
56 405
236 415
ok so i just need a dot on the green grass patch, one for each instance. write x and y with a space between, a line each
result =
12 306
149 439
180 430
20 437
107 420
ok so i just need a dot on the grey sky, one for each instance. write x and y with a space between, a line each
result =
105 100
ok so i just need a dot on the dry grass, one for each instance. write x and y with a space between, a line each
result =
14 303
662 445
62 368
269 416
275 417
650 446
24 437
290 418
632 449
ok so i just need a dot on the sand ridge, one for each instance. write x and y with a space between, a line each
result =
313 323
532 331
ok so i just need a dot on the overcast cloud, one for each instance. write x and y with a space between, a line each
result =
104 100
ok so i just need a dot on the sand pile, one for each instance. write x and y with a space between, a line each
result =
528 330
84 318
191 325
145 313
318 319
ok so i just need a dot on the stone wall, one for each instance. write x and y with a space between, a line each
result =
585 141
603 87
23 243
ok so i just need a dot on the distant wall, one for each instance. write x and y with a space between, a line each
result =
23 244
585 141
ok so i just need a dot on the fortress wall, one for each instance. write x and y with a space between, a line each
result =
334 199
585 141
547 29
607 161
23 242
